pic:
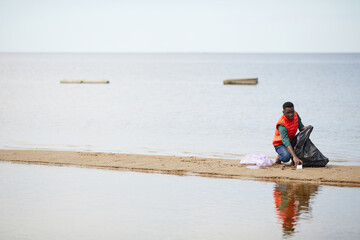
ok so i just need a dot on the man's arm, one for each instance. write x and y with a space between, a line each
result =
295 158
286 141
300 125
284 135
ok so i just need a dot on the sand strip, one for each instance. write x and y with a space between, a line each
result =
207 167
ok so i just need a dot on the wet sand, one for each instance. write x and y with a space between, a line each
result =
177 165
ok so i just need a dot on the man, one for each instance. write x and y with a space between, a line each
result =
286 128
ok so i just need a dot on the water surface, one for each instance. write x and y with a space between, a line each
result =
176 103
47 202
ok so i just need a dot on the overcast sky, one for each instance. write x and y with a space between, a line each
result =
179 26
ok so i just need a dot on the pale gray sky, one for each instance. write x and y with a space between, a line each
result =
180 26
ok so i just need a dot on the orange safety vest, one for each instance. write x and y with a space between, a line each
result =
291 127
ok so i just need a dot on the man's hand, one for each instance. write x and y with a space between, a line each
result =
295 158
304 128
297 161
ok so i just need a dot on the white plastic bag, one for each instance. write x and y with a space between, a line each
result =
258 160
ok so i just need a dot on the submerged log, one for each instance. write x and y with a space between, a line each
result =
242 81
84 81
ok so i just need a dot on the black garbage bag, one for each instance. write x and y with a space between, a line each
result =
306 150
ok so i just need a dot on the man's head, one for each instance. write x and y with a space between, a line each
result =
288 110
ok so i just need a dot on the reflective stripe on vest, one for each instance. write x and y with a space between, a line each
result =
291 127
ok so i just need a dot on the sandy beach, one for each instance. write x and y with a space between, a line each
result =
177 165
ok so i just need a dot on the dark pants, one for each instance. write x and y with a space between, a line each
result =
284 154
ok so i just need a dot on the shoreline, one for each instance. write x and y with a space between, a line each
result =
335 175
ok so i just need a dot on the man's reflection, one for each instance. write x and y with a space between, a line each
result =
292 200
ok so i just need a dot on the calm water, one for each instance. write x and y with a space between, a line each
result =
176 103
44 202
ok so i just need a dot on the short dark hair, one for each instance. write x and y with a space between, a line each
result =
288 105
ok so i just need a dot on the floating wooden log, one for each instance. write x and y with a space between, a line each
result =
84 81
242 81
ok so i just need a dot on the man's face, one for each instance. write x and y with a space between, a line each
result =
289 113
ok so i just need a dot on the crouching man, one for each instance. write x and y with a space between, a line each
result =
286 128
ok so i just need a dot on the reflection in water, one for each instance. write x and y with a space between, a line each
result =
292 200
47 202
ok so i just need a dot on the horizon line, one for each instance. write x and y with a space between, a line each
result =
174 52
